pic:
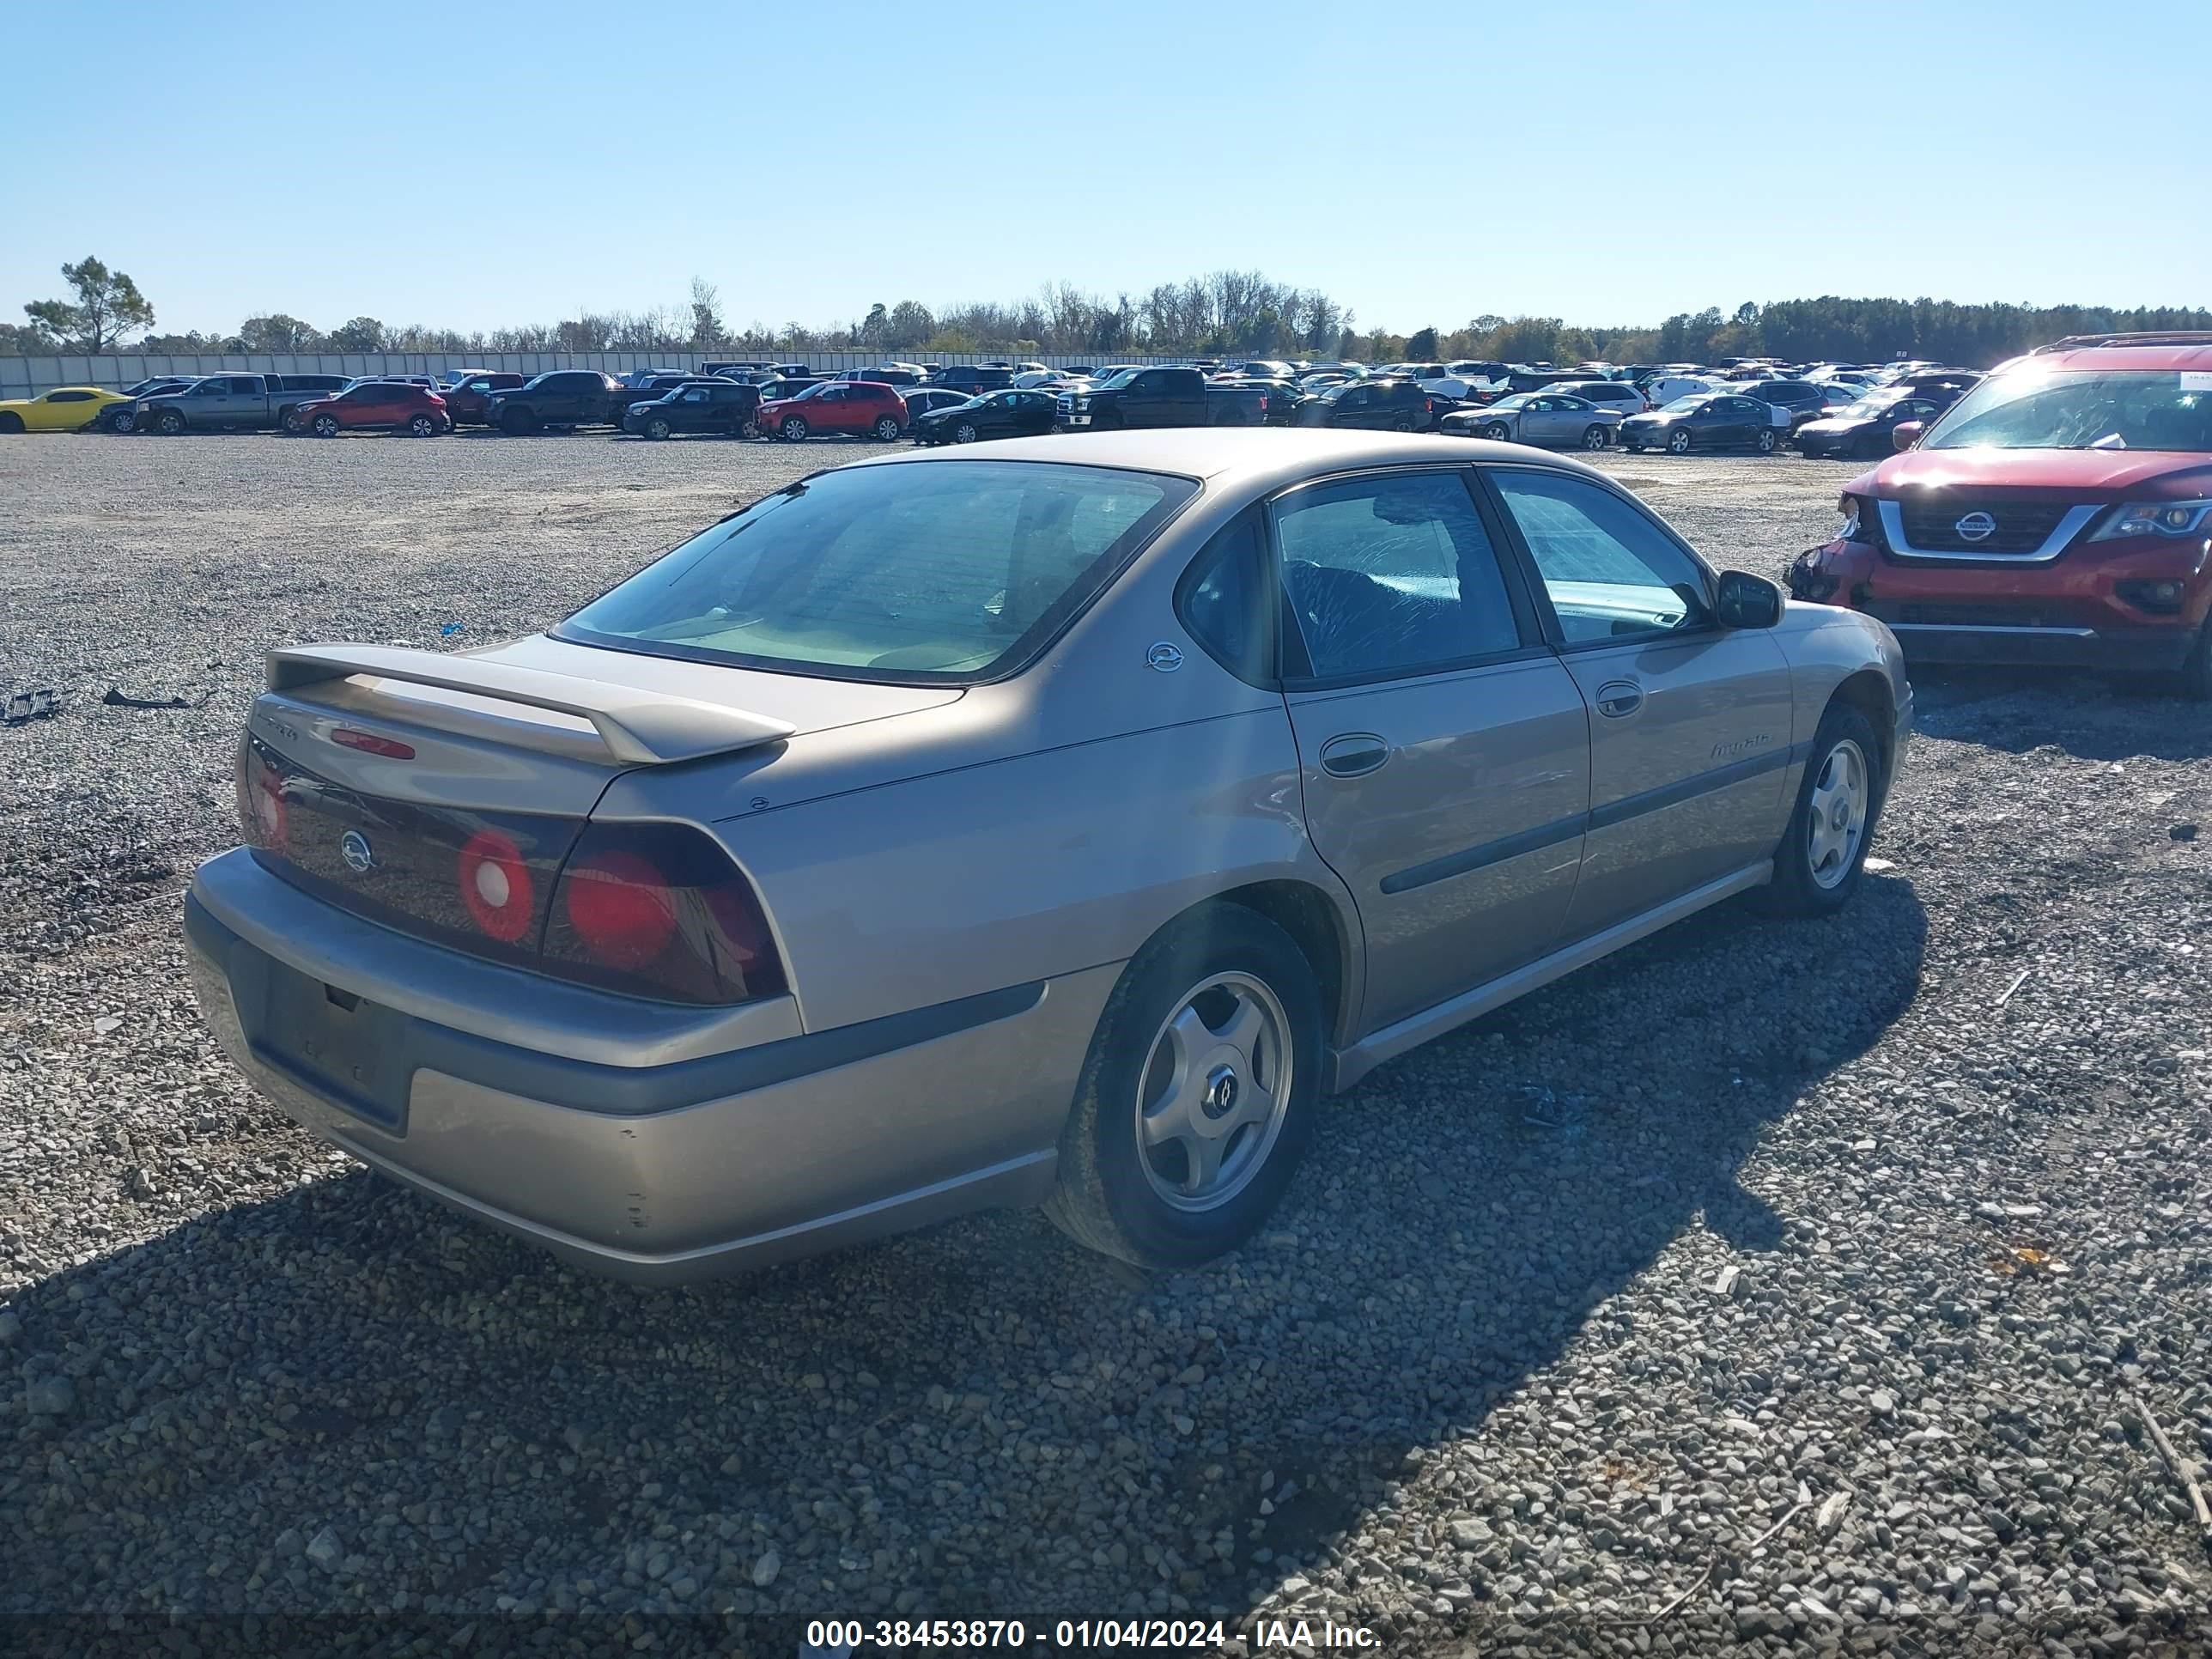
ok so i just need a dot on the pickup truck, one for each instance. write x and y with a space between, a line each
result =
467 393
560 397
1160 397
253 403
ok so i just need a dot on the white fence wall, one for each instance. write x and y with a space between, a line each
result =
26 376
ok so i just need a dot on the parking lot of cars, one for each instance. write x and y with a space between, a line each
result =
1853 1236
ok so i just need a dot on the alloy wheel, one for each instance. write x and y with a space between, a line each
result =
1213 1092
1836 814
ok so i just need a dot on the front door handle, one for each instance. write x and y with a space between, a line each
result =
1618 698
1353 755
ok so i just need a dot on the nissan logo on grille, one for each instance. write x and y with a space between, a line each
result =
1976 527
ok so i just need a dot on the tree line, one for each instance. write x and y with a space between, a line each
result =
1230 312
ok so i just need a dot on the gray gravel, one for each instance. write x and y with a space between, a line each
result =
1791 1279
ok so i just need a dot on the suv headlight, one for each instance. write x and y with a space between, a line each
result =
2169 519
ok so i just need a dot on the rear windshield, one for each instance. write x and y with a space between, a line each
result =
950 572
2033 408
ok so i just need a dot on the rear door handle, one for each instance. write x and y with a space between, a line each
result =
1353 754
1618 698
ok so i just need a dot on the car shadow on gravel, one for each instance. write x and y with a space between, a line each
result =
976 1419
2090 716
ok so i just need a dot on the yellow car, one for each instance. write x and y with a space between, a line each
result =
65 409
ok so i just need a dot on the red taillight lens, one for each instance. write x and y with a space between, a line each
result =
621 907
496 885
659 909
261 813
370 743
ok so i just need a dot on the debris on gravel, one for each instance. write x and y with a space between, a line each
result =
1786 1278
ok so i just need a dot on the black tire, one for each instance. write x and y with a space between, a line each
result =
423 426
1403 423
326 426
288 421
1798 889
658 428
1106 1201
1593 437
1764 442
2196 672
123 422
965 433
1633 449
1678 441
516 423
11 422
1498 433
794 429
169 423
887 430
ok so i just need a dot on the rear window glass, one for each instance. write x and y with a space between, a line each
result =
946 571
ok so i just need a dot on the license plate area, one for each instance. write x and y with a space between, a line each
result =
344 1048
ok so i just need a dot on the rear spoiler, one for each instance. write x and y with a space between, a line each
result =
638 727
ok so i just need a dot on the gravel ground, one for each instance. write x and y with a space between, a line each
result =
1774 1287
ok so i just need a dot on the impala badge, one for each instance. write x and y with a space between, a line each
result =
354 849
1165 657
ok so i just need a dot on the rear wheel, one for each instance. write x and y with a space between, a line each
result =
794 428
658 427
1678 441
423 426
887 430
1403 423
1593 437
169 423
292 420
1198 1095
1764 442
326 426
1823 852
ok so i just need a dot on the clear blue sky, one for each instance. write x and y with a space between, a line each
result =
470 165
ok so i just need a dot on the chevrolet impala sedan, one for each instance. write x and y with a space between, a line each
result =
1007 825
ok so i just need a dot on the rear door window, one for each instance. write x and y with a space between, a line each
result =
1392 574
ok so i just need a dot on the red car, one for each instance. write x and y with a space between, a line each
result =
465 398
2059 512
379 405
859 408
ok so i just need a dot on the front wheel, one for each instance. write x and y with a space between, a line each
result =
1678 442
326 426
1498 432
1198 1095
2196 672
887 430
170 422
123 421
1818 863
658 427
10 423
1764 441
1593 437
965 433
423 426
794 428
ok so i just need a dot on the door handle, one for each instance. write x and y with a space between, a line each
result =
1353 755
1618 698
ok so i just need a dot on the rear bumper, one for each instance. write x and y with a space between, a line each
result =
654 1169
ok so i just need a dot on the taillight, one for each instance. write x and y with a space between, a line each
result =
261 813
496 885
659 909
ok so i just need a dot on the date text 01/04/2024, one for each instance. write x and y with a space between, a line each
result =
837 1638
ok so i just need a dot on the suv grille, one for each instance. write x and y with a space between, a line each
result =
1931 524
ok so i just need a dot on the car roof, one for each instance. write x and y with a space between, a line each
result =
1260 458
2111 357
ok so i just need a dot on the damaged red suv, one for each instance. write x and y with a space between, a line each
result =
2059 512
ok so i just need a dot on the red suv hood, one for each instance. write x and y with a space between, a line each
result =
2110 474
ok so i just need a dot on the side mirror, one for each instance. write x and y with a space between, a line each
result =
1905 434
1747 601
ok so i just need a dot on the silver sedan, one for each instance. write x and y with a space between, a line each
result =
1554 420
1048 822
